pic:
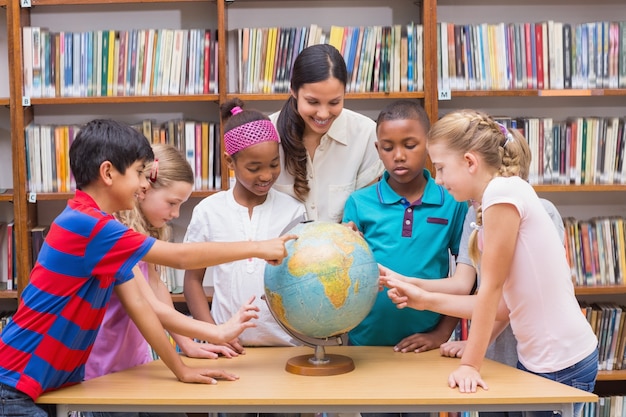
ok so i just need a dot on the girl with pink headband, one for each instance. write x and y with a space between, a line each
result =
250 209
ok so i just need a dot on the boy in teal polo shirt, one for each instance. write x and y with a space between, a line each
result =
411 225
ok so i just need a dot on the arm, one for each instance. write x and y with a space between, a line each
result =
500 237
461 282
202 254
140 311
455 348
422 342
188 346
175 321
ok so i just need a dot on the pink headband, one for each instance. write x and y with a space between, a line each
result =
249 134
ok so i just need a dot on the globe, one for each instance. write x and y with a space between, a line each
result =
325 286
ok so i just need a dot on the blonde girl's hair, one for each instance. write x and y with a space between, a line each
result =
502 148
169 166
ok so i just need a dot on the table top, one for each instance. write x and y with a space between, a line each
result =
381 377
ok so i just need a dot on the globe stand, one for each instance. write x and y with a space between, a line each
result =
319 363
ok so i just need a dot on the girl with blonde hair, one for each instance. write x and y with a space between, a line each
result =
525 276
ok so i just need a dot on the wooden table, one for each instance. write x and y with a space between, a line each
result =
383 381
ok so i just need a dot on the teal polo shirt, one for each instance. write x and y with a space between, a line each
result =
412 238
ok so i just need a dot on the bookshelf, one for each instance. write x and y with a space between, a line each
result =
225 16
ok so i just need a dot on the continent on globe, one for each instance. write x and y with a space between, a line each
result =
326 285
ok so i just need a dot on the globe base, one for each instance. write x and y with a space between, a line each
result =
307 365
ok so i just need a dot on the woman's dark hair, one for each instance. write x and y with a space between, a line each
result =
314 64
103 140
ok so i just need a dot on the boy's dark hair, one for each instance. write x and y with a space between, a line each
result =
403 110
106 140
314 64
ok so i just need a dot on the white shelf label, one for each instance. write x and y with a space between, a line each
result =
445 94
32 197
25 3
25 101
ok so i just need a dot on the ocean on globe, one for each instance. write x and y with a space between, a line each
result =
326 285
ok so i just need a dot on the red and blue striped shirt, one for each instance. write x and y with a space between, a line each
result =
86 253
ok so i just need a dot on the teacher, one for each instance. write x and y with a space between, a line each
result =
327 151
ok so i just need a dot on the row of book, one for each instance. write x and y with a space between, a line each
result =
8 272
607 321
596 250
611 406
378 58
119 63
580 150
47 152
543 55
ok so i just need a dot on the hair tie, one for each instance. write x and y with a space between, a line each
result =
236 110
505 132
154 171
474 226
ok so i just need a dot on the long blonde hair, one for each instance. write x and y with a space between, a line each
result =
169 166
502 148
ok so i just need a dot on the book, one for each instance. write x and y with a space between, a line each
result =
622 55
4 257
567 55
27 59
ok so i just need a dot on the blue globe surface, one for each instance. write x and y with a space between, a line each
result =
326 285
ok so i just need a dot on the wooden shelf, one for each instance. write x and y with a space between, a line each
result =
588 188
7 195
540 93
90 2
180 298
67 196
349 96
6 294
125 99
600 290
612 375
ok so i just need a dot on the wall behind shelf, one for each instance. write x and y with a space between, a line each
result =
177 15
324 13
6 170
485 11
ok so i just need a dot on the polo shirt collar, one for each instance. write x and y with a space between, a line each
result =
339 129
433 193
84 199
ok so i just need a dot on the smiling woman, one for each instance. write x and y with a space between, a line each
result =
327 151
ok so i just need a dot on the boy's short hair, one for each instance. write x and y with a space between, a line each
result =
106 140
404 110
